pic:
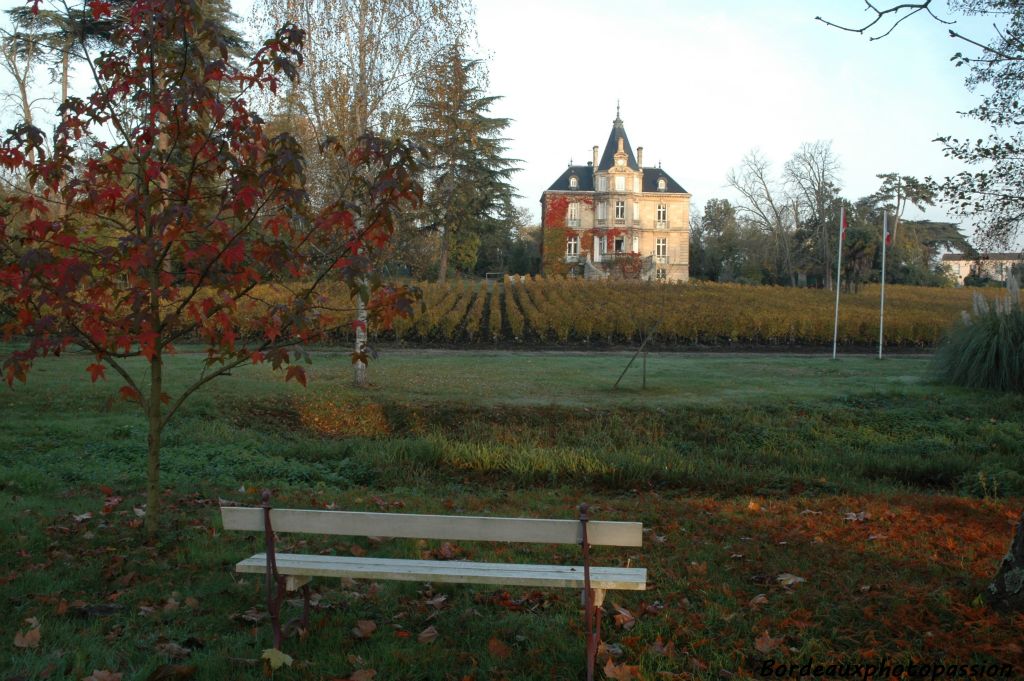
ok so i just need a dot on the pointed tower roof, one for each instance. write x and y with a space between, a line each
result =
618 132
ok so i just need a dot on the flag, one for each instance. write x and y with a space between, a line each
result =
842 234
887 234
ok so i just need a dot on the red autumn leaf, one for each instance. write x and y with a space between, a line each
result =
364 629
147 341
97 371
363 675
233 255
247 196
100 8
623 618
215 71
130 394
29 639
765 643
296 372
498 649
621 672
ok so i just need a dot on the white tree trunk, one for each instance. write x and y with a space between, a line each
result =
360 365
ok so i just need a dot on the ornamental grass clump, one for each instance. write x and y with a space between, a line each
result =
986 348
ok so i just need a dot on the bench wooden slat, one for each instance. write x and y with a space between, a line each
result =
456 528
442 571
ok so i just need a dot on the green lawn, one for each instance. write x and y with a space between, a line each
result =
743 466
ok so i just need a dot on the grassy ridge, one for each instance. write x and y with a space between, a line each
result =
742 468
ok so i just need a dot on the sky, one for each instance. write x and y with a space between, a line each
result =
703 82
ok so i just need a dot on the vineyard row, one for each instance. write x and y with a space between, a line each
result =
539 310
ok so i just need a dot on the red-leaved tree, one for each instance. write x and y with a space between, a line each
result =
162 212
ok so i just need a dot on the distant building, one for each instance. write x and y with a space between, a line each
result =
614 216
997 266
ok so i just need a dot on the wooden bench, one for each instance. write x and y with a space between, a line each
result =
290 572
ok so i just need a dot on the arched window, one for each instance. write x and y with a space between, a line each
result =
574 182
662 184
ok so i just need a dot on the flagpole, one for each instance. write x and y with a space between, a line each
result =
839 265
881 311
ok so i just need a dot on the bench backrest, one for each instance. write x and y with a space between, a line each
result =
456 528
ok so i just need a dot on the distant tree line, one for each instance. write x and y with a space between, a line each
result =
397 69
784 227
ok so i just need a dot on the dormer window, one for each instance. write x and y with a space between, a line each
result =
662 185
574 182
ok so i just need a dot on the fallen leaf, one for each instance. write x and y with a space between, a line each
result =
27 640
83 609
357 550
623 618
787 579
765 643
192 602
276 659
364 629
437 601
621 672
659 648
363 675
498 649
171 649
103 675
857 517
250 616
82 517
170 672
428 635
758 600
753 506
608 650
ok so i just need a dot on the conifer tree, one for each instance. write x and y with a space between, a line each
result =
468 193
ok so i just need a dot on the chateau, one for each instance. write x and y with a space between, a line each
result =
997 266
616 217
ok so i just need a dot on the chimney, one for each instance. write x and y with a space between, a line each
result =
640 156
595 156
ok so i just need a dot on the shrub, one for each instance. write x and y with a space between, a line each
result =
986 348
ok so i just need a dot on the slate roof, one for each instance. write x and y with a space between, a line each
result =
651 177
612 146
585 174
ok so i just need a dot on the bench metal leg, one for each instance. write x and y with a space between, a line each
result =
305 606
276 583
592 600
